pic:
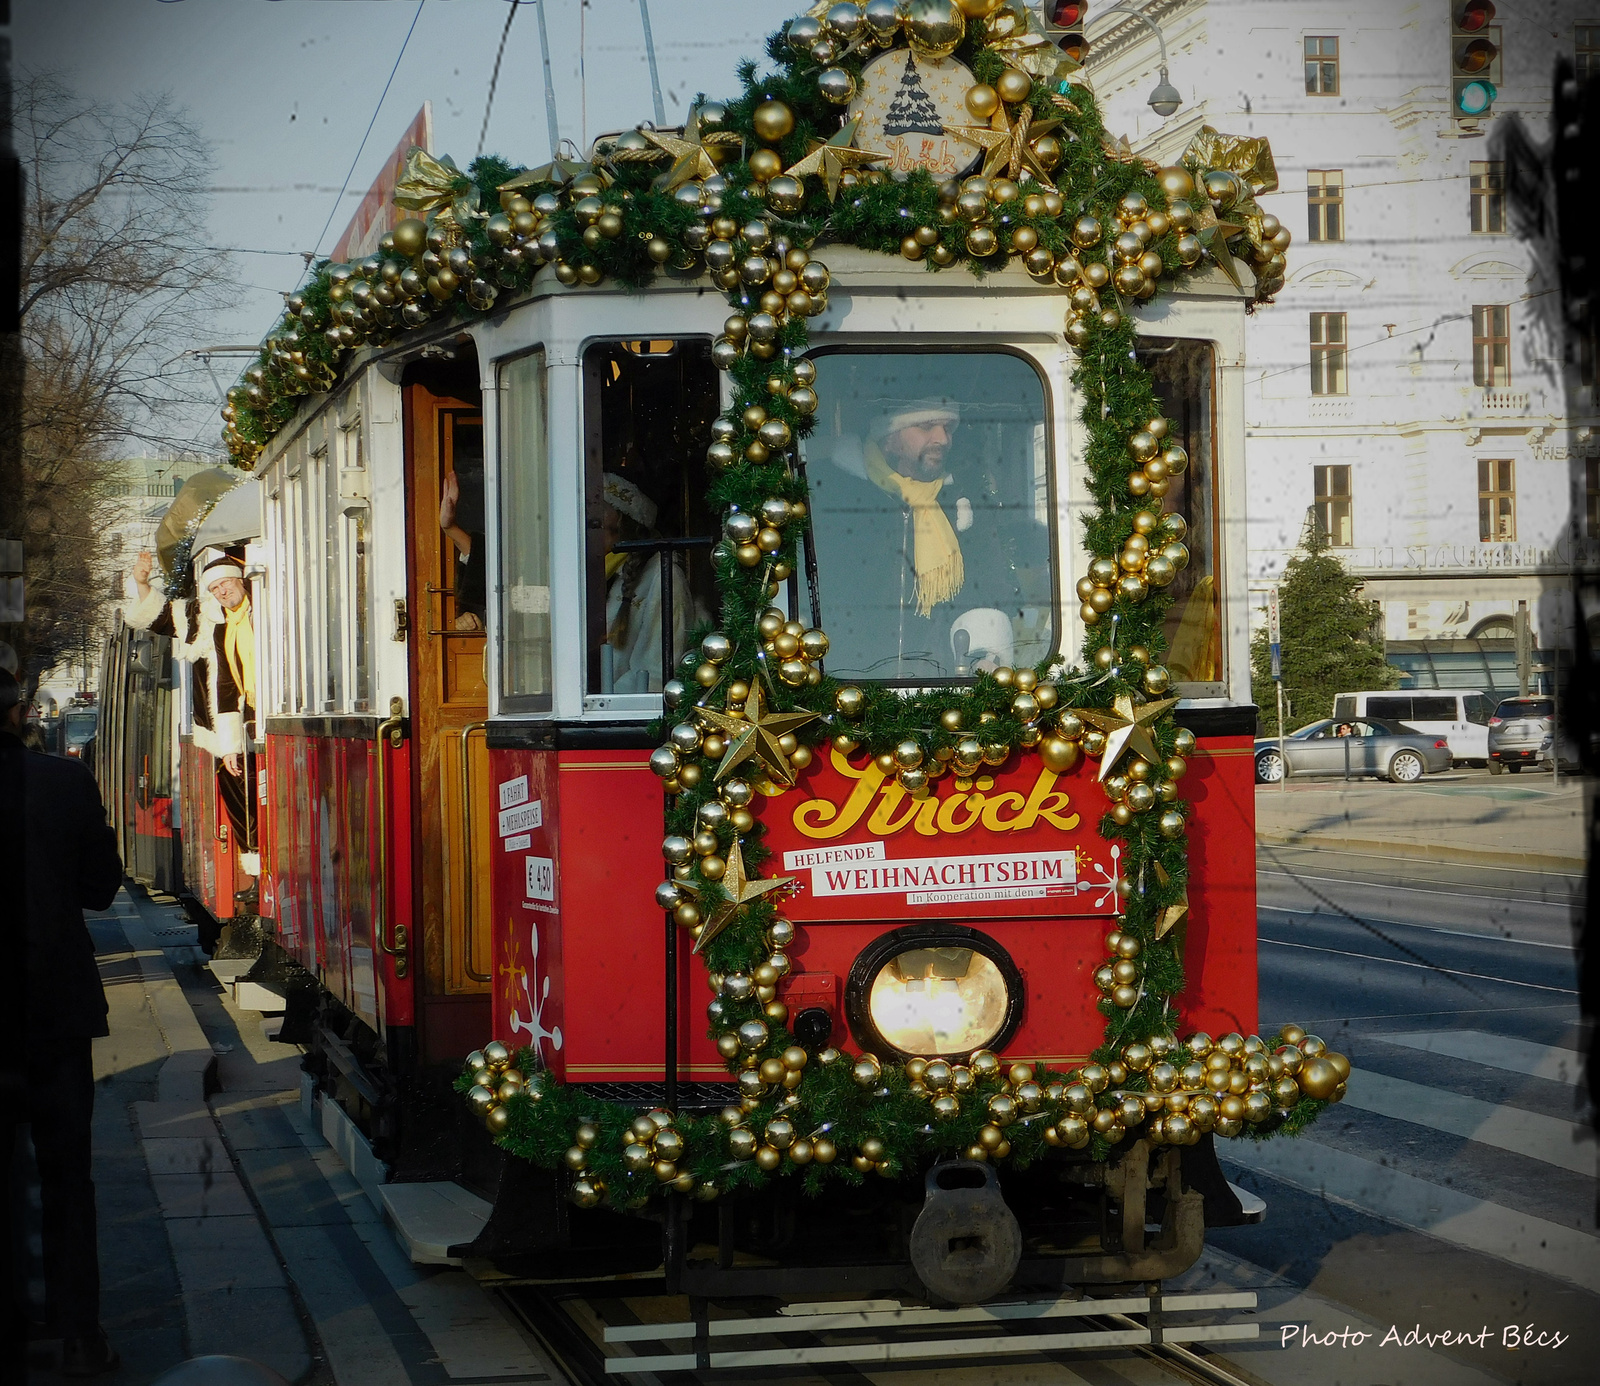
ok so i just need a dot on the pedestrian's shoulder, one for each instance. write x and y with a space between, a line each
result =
57 772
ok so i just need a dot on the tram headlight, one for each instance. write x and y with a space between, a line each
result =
934 989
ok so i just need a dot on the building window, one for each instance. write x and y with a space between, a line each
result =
1325 203
1591 496
1328 343
1333 505
1497 500
1489 198
1491 344
1322 66
1585 50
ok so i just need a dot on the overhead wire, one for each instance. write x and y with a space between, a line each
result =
334 210
494 79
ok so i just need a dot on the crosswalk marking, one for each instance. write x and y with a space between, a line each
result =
1496 1051
1520 1238
1539 1137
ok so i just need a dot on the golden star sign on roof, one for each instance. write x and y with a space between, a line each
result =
690 159
755 736
740 890
1009 146
1127 728
830 158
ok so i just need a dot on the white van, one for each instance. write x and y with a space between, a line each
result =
1460 715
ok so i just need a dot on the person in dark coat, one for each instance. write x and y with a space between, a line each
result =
911 551
68 858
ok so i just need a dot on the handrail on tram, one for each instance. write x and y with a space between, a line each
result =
390 730
468 865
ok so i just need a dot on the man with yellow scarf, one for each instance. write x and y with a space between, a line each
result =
216 636
912 566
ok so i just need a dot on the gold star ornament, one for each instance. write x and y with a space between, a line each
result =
755 736
739 889
689 160
1127 728
1174 914
1215 240
1009 146
830 158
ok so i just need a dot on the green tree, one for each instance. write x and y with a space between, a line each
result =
1331 643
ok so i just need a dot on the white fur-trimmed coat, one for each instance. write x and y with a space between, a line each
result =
197 630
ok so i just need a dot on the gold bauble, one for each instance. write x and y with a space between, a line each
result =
1318 1077
934 28
982 101
773 121
410 237
1058 754
1177 182
768 1158
1047 150
1014 85
1223 188
765 163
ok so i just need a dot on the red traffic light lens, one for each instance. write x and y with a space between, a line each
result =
1473 15
1067 13
1475 56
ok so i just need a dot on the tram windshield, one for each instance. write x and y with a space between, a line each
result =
931 501
648 407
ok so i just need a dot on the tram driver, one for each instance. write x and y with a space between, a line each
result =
922 546
215 634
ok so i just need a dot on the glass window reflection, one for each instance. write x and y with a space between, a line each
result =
929 478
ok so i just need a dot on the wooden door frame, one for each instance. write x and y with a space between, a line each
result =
426 407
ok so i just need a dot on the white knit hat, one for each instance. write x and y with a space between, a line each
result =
912 413
216 564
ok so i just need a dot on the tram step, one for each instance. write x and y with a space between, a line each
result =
431 1220
1111 1322
229 970
258 996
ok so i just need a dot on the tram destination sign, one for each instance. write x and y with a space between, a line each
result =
1013 840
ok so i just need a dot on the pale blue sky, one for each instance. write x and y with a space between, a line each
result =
284 89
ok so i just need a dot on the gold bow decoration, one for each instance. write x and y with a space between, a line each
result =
1010 35
1250 161
1245 155
438 191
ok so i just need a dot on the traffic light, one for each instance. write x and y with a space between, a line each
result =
1063 25
1474 59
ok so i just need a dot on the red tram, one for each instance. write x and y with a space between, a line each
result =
492 576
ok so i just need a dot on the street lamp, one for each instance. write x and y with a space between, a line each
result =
1164 100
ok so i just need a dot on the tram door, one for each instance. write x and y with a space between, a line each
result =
444 454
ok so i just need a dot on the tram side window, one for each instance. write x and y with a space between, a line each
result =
1184 374
332 583
931 510
648 409
525 536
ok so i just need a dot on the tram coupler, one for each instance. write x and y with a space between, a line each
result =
965 1244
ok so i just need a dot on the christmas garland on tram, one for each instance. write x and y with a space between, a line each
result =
749 194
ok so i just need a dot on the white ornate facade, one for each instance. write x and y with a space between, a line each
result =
1465 461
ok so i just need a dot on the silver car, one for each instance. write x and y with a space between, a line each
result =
1522 732
1353 746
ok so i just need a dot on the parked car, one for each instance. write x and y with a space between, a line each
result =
1523 732
1353 746
1460 715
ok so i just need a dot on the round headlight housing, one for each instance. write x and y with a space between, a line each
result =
933 989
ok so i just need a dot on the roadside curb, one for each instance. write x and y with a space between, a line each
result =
1432 851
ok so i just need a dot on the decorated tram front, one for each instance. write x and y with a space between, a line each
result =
780 701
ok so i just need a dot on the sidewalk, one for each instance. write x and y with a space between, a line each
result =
1506 820
227 1223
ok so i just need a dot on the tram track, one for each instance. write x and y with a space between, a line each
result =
571 1328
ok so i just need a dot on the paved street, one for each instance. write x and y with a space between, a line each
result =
1454 1189
1455 1186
